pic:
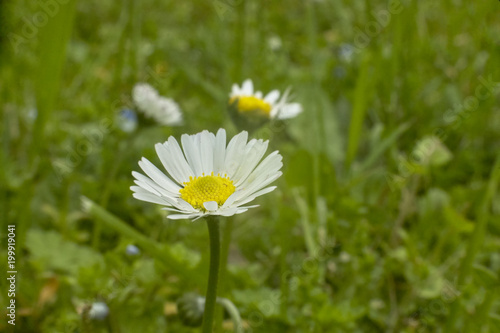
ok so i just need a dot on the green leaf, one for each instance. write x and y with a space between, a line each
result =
360 104
342 313
457 221
266 300
55 253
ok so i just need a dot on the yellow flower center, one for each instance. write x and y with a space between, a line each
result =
207 188
251 103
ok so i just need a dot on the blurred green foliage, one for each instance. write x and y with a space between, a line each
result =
373 228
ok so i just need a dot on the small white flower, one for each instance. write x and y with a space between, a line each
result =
132 250
271 106
99 311
163 110
144 96
274 43
168 111
206 177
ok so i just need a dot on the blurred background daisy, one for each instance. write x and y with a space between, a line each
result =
273 105
162 110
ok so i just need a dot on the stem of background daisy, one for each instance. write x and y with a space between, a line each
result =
213 275
233 313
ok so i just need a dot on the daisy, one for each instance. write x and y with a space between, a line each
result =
164 111
271 106
206 177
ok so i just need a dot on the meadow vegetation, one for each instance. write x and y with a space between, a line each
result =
387 216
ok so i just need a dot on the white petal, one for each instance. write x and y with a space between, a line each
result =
173 190
185 206
272 97
278 105
234 153
211 206
247 87
139 189
227 212
172 210
159 177
255 195
149 197
192 152
247 207
235 91
172 201
183 216
147 187
177 153
253 155
173 160
207 141
264 191
257 184
269 165
288 111
219 151
229 201
240 159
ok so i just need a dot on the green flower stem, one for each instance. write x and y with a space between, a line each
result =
213 276
233 313
227 230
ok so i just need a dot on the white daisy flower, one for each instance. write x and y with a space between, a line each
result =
164 111
207 178
270 106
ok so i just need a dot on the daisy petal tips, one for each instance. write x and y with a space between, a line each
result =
207 177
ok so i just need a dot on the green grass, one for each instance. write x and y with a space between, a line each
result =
362 235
